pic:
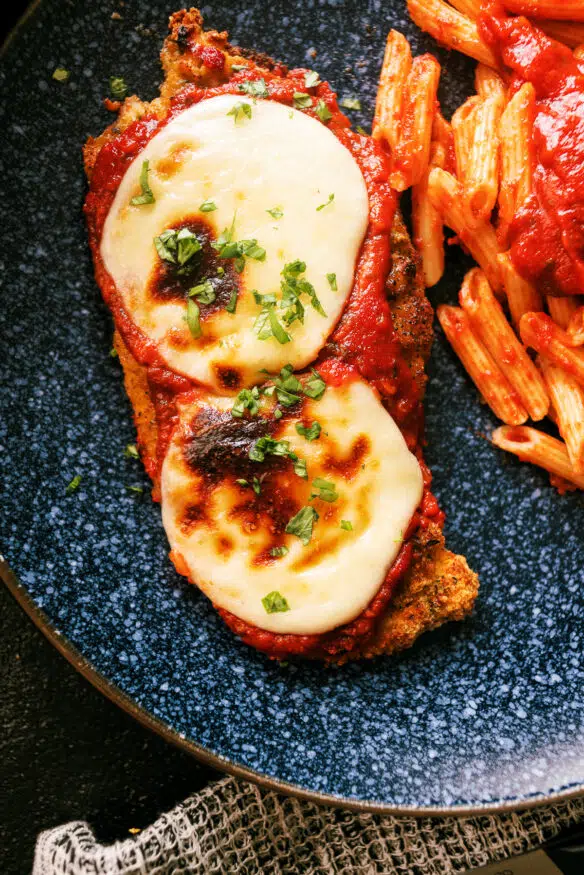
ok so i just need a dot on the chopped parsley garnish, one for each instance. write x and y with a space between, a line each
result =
312 433
325 490
267 325
302 523
311 79
347 525
177 247
331 198
131 452
269 446
239 250
220 271
137 489
275 603
332 281
247 399
231 305
315 385
60 74
302 100
277 414
293 285
146 197
350 102
193 319
288 387
208 206
239 111
276 552
74 484
113 353
237 67
323 112
118 88
361 130
275 212
257 88
204 292
255 485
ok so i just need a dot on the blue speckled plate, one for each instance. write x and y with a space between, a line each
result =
487 714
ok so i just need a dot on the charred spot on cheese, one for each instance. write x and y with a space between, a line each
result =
359 469
170 282
200 156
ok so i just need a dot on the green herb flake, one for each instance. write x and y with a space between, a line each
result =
299 466
349 102
240 111
323 112
208 206
177 248
113 353
302 524
275 212
74 484
312 433
118 88
193 319
247 399
238 67
268 446
131 452
204 292
256 486
60 74
275 603
325 490
361 131
331 198
347 525
276 552
277 414
314 387
256 88
311 79
147 196
231 305
332 281
138 489
302 100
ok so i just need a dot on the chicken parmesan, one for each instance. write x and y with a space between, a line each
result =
272 326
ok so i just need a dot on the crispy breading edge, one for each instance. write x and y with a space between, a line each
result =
439 585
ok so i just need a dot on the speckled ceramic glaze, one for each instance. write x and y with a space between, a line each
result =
486 713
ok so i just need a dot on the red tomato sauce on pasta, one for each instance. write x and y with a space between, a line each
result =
364 339
547 233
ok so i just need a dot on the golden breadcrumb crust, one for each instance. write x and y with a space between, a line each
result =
439 586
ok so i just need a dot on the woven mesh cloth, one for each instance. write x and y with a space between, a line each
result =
233 826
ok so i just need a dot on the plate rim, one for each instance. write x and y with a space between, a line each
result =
223 764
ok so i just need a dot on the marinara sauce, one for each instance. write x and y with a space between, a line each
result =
364 339
547 234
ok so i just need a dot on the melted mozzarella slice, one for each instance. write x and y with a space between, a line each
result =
226 533
279 159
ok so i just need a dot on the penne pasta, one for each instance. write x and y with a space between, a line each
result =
567 32
489 83
539 332
412 151
576 327
561 309
470 8
522 297
531 445
488 322
567 10
451 28
395 70
568 401
462 128
483 371
427 222
445 192
481 175
515 128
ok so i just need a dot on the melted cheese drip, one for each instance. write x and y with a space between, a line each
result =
332 579
277 158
